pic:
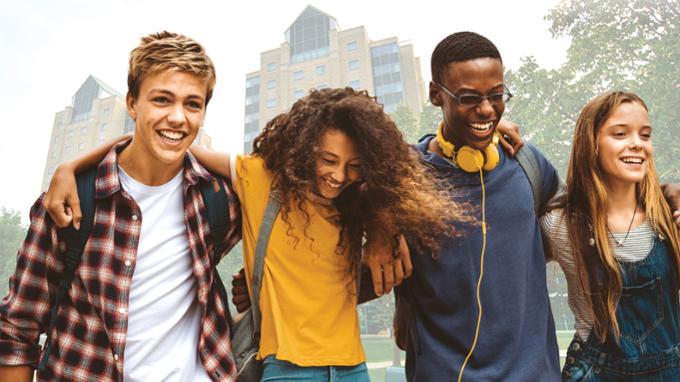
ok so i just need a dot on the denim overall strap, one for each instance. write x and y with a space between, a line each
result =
649 320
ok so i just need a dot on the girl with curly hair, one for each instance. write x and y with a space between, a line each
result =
343 173
616 242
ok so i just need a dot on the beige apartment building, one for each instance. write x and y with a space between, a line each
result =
97 113
317 54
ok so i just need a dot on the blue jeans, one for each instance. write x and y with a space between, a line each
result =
276 370
649 320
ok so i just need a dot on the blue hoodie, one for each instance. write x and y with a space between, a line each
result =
517 336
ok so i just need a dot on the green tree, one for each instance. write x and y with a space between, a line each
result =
12 234
630 45
407 122
430 116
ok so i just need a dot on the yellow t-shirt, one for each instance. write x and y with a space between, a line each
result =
308 299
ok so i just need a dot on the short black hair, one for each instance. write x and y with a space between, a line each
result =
460 46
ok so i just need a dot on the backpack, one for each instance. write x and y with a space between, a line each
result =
215 199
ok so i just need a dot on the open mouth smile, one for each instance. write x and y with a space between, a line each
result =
172 135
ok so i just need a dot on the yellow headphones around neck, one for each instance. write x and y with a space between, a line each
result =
468 158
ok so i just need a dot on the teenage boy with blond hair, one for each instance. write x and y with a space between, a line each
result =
142 305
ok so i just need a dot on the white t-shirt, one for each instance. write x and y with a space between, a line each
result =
164 317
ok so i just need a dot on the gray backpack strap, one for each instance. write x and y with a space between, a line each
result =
270 213
529 164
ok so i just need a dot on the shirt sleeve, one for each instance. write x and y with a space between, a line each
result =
24 312
551 182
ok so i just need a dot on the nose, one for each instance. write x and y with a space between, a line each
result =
176 115
635 141
485 108
339 174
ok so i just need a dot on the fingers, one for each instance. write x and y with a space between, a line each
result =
239 291
515 138
388 278
398 272
377 277
506 146
76 213
61 215
676 216
405 256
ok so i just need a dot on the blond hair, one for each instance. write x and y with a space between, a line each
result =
598 271
165 50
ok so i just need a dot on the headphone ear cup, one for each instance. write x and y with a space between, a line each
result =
492 157
469 159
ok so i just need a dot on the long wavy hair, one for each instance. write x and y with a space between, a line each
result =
598 270
396 193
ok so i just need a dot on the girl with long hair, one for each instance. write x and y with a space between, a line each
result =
616 242
343 173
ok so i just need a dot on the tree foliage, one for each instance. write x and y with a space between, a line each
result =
12 234
630 45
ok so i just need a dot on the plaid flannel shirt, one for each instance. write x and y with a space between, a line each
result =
90 332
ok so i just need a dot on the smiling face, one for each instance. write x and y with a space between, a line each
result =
337 163
470 125
624 145
168 113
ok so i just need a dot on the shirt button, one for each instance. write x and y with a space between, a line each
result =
134 217
121 310
115 356
128 263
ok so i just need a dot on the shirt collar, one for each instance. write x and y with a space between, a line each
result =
108 181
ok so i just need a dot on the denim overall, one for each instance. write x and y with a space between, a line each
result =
649 319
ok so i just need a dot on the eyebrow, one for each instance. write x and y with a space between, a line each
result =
469 90
627 125
168 92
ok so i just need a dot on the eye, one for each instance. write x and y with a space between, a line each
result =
194 105
497 97
161 99
646 135
469 99
327 161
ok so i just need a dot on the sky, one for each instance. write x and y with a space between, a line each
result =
49 48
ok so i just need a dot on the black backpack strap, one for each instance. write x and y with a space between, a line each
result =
216 206
529 164
75 241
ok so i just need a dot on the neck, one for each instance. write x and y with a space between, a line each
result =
137 162
621 197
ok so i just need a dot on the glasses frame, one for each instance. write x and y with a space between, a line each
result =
481 97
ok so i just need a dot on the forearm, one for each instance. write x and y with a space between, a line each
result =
216 162
20 373
92 157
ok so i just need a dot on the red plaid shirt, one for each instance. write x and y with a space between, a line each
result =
90 333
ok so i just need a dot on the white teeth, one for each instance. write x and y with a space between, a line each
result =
333 185
481 126
632 160
172 135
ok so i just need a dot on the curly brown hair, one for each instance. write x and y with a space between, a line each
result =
396 193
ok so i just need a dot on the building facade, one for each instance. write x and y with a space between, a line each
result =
97 113
316 54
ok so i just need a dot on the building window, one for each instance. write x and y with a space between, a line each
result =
355 84
271 103
352 45
67 148
56 139
103 127
271 66
102 139
320 69
81 146
69 133
107 111
50 170
271 84
298 94
298 75
354 64
53 155
83 130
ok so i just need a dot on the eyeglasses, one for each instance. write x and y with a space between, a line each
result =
471 100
